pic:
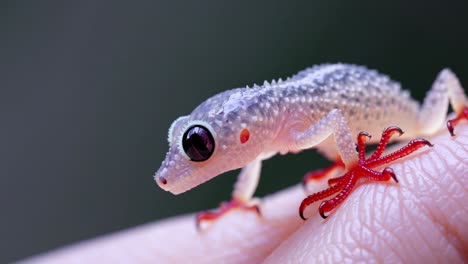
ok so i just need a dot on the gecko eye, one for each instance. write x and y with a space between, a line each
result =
198 143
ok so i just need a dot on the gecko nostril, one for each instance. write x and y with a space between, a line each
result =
162 180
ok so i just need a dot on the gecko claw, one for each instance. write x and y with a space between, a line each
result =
389 173
302 207
321 210
420 142
392 130
427 142
301 214
450 127
364 134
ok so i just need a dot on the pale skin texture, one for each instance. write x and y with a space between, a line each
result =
422 219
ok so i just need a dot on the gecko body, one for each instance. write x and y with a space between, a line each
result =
323 107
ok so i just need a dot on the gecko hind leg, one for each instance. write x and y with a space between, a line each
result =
343 185
318 175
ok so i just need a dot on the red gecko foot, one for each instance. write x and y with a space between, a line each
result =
343 185
320 174
463 115
208 216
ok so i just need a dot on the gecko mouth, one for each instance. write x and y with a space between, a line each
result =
181 183
174 185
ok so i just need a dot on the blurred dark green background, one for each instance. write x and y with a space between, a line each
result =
88 90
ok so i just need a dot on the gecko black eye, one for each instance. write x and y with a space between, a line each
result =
198 143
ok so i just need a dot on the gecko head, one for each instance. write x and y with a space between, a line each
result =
209 141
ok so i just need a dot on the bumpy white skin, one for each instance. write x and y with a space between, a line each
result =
300 113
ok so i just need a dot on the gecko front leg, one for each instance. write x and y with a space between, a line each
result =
356 165
343 185
244 189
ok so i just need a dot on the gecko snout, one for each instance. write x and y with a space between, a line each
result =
161 179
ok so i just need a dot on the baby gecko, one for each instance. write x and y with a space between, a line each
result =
241 127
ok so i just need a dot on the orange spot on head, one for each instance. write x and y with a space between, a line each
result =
244 135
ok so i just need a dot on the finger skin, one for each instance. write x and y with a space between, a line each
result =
424 217
237 237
